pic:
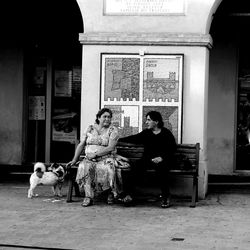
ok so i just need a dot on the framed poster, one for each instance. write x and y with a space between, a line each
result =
161 79
121 79
125 118
62 128
170 117
36 108
63 83
132 85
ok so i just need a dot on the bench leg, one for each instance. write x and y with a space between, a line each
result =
70 191
195 192
71 173
77 191
196 189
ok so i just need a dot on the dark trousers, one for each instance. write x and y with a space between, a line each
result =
162 172
130 178
128 182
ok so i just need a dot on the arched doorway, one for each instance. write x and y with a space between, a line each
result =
45 34
54 71
229 89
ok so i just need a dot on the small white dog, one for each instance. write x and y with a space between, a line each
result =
54 177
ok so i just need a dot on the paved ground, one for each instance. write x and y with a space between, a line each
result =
222 221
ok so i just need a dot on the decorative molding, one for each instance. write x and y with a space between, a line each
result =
146 39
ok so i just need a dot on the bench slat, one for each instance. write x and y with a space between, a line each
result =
189 156
128 154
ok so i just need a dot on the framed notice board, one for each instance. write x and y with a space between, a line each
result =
132 85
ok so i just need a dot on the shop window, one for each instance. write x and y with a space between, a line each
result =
243 124
54 100
65 120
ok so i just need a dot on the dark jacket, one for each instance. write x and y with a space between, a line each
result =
155 145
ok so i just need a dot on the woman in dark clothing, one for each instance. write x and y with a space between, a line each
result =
159 149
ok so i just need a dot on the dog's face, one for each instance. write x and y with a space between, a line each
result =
58 169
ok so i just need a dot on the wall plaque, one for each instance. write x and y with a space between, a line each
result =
144 7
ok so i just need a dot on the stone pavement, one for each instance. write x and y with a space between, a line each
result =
222 221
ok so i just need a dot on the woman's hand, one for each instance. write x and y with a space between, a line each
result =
157 160
91 156
71 163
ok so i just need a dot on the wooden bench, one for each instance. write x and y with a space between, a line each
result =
187 164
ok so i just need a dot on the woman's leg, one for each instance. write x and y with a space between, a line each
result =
106 179
85 177
105 174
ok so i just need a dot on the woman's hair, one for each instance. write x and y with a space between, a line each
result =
156 116
101 112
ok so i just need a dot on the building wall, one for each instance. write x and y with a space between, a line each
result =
194 21
167 34
11 105
206 118
222 109
194 92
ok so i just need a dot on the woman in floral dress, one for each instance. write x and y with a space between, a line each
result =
97 172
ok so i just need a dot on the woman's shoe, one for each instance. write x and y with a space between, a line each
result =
127 200
87 202
165 203
110 199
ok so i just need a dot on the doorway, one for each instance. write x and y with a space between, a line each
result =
54 99
243 109
53 58
229 90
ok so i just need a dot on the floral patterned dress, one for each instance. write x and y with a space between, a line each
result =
100 174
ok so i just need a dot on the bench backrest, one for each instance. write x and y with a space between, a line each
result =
187 155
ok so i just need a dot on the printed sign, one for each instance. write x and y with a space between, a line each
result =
144 7
36 107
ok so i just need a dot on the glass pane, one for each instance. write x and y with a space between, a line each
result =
36 116
66 101
243 121
243 128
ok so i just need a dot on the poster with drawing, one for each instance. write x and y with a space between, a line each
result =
63 83
125 118
170 117
161 79
132 85
122 78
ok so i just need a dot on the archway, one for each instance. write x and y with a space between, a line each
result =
228 89
43 35
57 49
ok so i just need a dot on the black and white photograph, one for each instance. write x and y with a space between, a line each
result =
125 125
